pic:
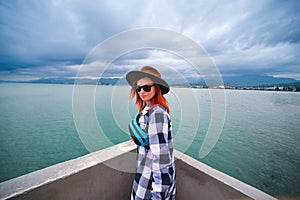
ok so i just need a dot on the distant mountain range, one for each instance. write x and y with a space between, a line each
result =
254 80
102 81
242 81
235 81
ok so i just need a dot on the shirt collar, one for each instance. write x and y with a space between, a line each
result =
146 109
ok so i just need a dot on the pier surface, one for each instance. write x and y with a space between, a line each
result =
108 174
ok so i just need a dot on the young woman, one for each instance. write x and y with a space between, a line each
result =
151 130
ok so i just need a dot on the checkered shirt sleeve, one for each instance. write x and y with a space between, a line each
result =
155 178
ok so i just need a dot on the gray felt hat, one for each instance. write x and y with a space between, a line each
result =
151 73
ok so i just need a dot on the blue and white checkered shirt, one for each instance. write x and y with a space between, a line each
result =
155 176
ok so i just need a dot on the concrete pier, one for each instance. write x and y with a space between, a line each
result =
108 174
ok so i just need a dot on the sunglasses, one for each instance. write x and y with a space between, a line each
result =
146 88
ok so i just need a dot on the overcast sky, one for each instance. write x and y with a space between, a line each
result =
50 39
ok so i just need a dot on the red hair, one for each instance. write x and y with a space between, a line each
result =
158 99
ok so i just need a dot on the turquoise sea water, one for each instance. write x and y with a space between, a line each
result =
259 143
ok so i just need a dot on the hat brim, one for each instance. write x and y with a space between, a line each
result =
133 76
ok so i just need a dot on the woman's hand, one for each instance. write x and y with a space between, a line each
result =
131 139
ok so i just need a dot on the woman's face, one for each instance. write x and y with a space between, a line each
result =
146 96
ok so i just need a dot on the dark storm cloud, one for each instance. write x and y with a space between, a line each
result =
52 38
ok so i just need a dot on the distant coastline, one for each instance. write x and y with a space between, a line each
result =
292 87
251 82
